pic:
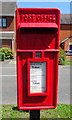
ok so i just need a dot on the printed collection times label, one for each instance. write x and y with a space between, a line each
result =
37 77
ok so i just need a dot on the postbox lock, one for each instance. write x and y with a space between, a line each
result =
38 54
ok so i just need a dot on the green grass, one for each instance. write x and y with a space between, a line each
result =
11 111
62 111
68 62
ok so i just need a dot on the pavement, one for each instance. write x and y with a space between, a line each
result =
8 83
64 84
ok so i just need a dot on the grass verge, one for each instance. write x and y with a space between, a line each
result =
68 63
11 111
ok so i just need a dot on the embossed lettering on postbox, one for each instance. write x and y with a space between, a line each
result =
38 18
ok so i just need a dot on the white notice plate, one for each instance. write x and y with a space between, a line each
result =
37 77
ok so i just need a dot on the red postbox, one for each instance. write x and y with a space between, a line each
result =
37 47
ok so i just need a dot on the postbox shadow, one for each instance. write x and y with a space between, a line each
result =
16 109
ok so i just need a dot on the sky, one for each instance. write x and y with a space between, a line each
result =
65 7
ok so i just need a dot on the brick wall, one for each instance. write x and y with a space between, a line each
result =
10 27
65 31
10 24
7 43
69 58
67 46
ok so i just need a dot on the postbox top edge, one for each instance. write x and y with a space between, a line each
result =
57 9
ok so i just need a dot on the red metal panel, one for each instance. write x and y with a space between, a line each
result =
37 30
